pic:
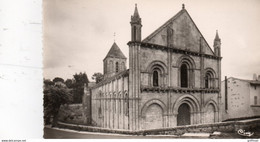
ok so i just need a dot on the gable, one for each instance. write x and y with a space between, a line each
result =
180 32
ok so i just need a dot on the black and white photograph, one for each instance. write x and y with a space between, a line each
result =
148 69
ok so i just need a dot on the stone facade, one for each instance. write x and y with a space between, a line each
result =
241 98
173 79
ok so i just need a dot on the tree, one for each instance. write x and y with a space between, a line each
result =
69 83
47 82
58 79
78 86
81 78
54 97
98 77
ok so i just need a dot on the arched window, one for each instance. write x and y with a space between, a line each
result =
186 71
209 79
117 67
157 74
184 75
110 66
155 78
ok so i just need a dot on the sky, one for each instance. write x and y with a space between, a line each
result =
77 34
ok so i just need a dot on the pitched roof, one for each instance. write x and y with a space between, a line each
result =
115 52
183 10
164 25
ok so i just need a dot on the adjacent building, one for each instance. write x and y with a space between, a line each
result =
240 97
174 78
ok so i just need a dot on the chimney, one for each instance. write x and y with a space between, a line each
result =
226 94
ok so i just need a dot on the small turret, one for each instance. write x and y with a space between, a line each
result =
217 45
136 25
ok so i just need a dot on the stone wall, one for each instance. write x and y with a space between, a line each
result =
109 102
201 128
166 104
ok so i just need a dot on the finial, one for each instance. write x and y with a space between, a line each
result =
114 36
217 37
135 5
183 6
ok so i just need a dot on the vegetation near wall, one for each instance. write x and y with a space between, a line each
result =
71 113
58 93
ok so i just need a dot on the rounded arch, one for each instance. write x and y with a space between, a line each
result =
149 103
186 66
157 73
214 105
114 95
157 64
189 100
210 112
185 59
119 94
210 70
209 78
125 94
184 114
126 103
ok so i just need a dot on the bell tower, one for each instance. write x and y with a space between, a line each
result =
114 62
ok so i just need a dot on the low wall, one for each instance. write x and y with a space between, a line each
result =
179 130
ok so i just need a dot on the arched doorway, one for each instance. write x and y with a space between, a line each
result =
154 117
183 117
210 114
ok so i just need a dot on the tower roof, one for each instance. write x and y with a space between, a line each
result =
135 18
136 14
217 37
115 52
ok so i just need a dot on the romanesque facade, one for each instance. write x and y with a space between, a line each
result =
173 79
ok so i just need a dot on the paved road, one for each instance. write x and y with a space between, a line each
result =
54 133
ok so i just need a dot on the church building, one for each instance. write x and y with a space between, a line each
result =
173 79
